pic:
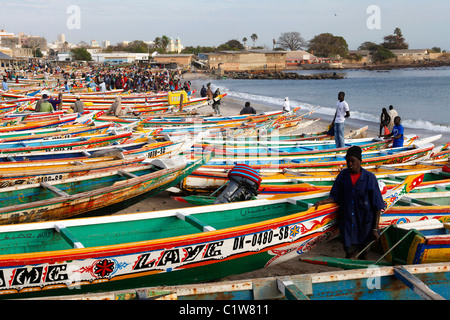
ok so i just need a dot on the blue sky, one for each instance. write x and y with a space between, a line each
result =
213 22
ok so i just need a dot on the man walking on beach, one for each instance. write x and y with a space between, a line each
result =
342 112
358 195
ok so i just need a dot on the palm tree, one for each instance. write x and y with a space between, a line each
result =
244 40
254 37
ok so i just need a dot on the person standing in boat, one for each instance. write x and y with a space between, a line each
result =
342 112
358 195
384 122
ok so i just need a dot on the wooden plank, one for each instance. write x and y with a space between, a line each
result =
54 190
301 203
127 174
287 287
68 236
194 221
415 284
267 288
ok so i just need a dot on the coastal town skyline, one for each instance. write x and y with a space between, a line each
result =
211 23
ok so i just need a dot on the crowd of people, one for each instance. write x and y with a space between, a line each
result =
102 78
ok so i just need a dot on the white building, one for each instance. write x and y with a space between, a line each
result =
175 46
112 58
61 38
94 44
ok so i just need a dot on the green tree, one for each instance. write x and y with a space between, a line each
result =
368 46
161 44
328 45
198 49
395 41
137 46
81 54
234 45
254 37
381 54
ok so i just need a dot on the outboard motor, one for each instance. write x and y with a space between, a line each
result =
243 183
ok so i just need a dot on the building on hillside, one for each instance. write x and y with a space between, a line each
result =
411 55
25 41
247 60
404 55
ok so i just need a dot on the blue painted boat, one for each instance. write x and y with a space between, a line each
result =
421 282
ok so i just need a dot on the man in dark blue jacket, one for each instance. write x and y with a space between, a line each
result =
358 195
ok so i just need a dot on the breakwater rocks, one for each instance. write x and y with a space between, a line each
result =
282 75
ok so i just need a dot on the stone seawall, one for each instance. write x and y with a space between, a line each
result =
282 75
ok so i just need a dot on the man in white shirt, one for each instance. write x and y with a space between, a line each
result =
286 105
342 112
392 113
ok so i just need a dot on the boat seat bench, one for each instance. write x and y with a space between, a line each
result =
301 203
68 236
194 221
127 174
54 189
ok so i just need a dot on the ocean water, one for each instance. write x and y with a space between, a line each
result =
421 96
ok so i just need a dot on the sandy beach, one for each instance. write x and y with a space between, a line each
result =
163 201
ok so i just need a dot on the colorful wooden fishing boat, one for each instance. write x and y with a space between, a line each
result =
289 182
43 171
75 143
315 148
419 282
67 119
94 193
161 248
426 241
25 173
53 133
386 156
127 148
